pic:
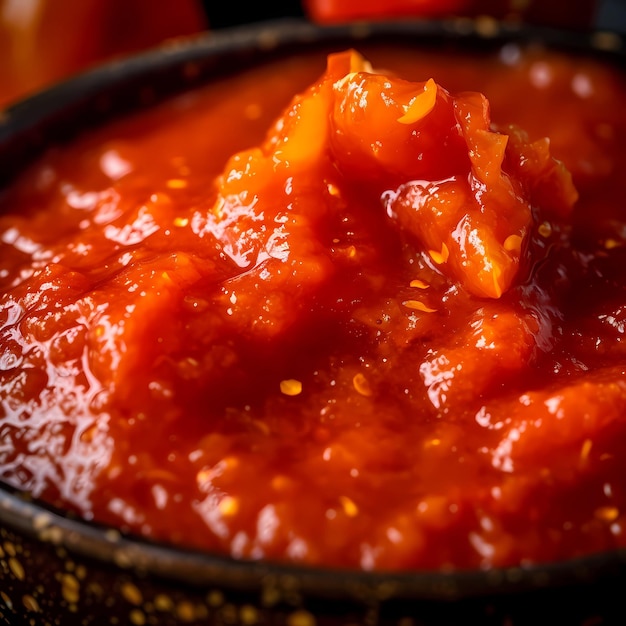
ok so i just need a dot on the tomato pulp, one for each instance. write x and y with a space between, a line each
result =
386 333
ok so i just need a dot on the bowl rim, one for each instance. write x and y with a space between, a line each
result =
109 546
31 122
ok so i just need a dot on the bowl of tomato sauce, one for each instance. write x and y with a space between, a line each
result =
318 325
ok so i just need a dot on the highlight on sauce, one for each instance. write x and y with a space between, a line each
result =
378 324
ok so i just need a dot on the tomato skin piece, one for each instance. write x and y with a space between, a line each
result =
542 423
371 142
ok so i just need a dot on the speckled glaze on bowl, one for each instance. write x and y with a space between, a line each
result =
58 570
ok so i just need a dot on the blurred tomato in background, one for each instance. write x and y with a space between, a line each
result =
547 12
42 41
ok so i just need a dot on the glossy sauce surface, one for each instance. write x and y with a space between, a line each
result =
347 340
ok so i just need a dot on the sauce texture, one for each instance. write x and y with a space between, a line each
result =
374 325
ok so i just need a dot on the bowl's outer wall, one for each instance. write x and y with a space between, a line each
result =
45 584
58 571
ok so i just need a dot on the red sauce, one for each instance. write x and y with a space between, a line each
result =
388 333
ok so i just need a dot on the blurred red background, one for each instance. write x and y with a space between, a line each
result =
42 41
547 12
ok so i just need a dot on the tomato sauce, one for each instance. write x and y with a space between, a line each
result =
331 313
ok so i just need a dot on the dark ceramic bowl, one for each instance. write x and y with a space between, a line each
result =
58 570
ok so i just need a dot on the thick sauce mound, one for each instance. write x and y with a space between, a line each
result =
386 333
